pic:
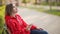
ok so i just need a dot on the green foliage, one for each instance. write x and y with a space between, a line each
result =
44 3
41 9
24 1
52 3
2 9
1 21
53 11
58 4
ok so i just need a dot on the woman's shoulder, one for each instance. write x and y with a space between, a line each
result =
7 17
18 15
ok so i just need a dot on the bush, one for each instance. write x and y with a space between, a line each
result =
1 22
58 4
24 1
53 11
52 3
2 9
44 3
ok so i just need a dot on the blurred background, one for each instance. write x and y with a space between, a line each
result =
42 13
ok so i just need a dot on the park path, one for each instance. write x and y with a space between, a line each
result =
48 22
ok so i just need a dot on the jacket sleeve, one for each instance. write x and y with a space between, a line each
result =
24 23
33 27
11 26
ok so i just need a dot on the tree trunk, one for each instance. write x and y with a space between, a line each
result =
50 5
35 1
0 2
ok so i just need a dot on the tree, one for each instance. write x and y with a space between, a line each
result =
50 4
0 2
24 1
17 3
35 1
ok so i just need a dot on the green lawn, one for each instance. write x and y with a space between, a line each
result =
53 11
2 9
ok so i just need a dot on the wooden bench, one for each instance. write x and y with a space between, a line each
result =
5 30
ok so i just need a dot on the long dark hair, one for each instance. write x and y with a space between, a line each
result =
8 9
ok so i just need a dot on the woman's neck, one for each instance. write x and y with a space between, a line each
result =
13 15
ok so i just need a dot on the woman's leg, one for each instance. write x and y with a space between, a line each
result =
38 32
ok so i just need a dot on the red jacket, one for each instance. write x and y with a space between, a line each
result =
16 25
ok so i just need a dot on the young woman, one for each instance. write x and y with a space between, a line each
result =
16 25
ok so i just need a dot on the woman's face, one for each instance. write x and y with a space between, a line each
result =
14 8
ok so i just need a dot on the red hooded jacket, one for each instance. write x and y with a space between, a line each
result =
17 25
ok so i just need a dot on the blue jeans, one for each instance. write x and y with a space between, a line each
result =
38 32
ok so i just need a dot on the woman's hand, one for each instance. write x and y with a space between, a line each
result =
28 27
40 28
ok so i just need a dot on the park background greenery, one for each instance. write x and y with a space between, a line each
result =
2 9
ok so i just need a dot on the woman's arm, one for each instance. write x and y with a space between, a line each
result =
11 26
26 25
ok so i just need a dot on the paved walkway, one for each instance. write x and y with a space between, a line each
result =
48 22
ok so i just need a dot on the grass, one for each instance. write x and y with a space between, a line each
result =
2 9
53 11
35 8
52 3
